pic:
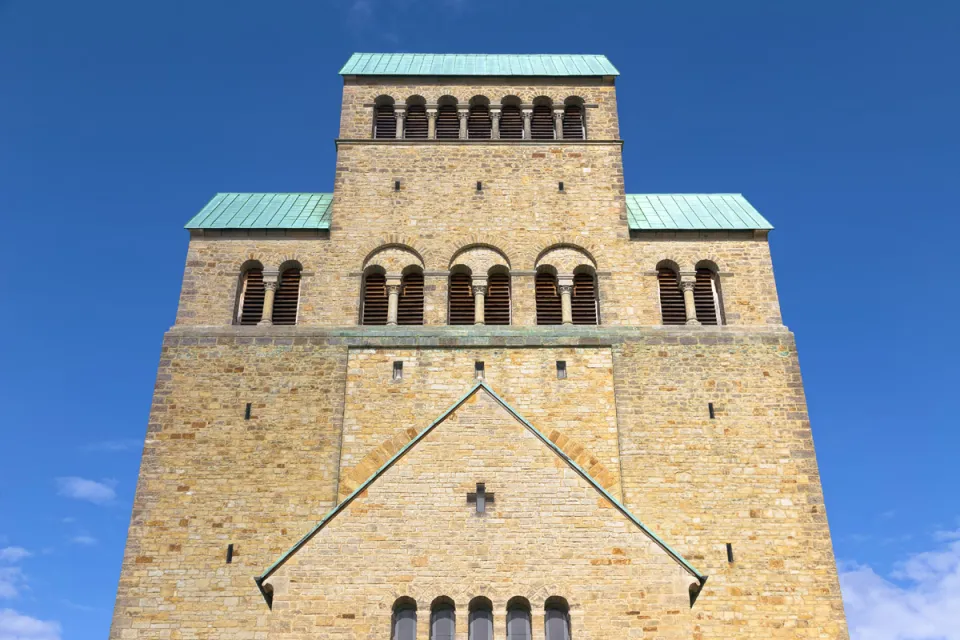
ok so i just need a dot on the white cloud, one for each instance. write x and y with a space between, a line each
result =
13 554
16 626
90 490
11 581
84 540
925 605
125 444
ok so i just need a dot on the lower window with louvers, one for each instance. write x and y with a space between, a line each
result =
557 624
385 124
251 298
287 299
541 125
405 624
584 300
461 299
496 304
415 124
443 623
479 125
374 299
518 624
511 123
573 123
705 297
548 299
481 625
672 310
410 304
448 123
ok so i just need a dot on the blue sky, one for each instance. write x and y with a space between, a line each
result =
838 120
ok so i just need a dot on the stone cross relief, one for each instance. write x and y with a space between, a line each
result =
480 498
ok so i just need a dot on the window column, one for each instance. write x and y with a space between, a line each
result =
269 293
400 112
479 293
558 123
431 123
686 285
495 123
464 114
393 298
565 285
527 117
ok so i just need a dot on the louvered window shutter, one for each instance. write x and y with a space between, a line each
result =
448 124
541 126
548 299
511 123
415 124
672 310
287 299
385 124
584 300
479 124
375 299
518 624
410 304
573 123
705 297
496 304
251 297
461 299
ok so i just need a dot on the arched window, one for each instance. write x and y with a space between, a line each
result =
584 300
705 296
410 304
287 299
385 120
548 299
481 619
461 300
541 126
573 122
448 122
511 120
479 124
556 619
415 124
250 304
518 619
404 620
496 304
672 309
375 301
443 619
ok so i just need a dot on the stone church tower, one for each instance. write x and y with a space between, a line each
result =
478 391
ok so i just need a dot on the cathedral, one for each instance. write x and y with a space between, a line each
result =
478 391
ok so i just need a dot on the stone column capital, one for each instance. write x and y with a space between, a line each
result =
558 112
463 112
400 112
565 289
495 112
393 289
527 113
480 289
431 111
687 285
270 285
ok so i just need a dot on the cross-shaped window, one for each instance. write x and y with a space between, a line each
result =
481 498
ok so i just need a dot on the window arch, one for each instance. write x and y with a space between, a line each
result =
496 304
511 119
410 303
250 301
287 300
479 124
481 619
448 122
415 125
541 124
706 296
584 302
404 622
518 619
443 619
556 619
385 118
573 128
461 302
547 296
672 309
374 305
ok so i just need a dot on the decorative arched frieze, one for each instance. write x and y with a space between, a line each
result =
456 248
577 243
396 243
565 259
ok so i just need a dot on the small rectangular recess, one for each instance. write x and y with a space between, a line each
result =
247 410
478 369
396 185
561 369
398 369
229 553
479 186
730 553
710 409
561 186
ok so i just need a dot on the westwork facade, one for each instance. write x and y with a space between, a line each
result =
478 391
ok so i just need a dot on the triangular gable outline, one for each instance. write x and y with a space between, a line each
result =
701 578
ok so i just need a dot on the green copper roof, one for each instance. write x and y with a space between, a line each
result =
476 64
692 212
265 211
